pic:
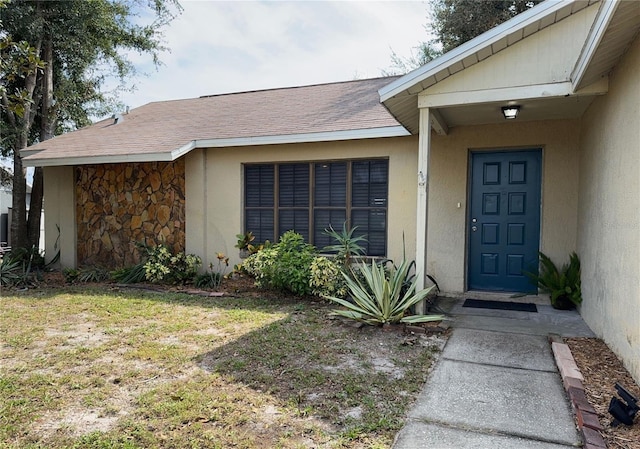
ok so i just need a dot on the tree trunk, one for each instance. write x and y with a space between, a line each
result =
19 234
34 221
47 129
18 202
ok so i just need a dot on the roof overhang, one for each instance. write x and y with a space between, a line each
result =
614 29
38 158
401 96
483 46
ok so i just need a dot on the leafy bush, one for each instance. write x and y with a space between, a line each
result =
562 284
285 265
163 266
379 300
326 278
260 265
160 265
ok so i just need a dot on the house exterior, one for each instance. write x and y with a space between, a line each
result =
424 163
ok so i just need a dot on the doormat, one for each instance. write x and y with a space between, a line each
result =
500 305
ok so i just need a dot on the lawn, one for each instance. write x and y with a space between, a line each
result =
103 367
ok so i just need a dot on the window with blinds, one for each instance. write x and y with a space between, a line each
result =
310 197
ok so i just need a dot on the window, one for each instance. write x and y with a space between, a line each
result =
308 197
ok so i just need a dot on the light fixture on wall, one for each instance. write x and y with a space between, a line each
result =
510 112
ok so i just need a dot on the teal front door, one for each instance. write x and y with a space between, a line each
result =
504 220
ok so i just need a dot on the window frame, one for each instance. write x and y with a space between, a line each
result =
311 207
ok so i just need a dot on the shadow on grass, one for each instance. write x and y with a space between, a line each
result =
357 380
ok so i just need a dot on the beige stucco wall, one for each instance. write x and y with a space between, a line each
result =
448 186
609 218
214 202
59 201
538 59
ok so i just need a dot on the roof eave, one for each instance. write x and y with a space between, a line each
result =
600 25
32 159
471 47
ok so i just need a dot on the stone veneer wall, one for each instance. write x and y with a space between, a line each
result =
118 205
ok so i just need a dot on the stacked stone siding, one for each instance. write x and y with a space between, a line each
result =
118 205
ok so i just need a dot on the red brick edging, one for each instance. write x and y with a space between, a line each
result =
587 418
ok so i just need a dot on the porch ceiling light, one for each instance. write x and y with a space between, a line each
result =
510 112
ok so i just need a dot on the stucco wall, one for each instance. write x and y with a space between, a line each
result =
520 64
60 225
214 208
609 214
119 205
448 186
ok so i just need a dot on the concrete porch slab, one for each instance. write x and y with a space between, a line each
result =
567 323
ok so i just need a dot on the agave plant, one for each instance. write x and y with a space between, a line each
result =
381 300
9 270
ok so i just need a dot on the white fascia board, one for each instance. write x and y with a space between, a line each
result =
475 45
88 160
373 133
495 95
599 27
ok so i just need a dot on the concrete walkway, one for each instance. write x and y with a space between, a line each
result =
496 384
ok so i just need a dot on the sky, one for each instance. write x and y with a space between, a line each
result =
234 46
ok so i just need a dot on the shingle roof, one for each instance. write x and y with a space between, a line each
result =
165 130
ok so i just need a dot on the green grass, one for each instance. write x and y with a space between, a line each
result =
169 370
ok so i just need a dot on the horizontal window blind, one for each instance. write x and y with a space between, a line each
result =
310 197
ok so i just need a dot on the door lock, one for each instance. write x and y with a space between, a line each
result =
474 228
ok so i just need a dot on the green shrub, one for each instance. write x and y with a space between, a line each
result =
160 265
562 284
326 278
285 265
260 265
163 266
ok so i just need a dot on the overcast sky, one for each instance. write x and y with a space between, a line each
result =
232 46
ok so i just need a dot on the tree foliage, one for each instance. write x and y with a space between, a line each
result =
56 58
454 22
